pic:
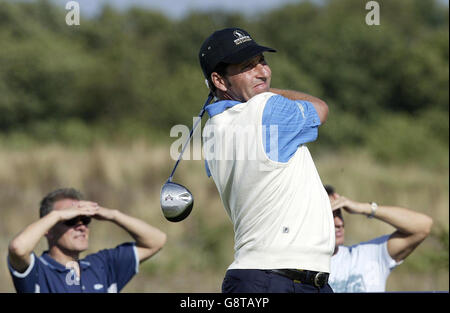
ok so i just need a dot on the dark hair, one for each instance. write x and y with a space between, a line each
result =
329 189
220 69
47 202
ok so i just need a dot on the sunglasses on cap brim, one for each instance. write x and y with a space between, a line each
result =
85 220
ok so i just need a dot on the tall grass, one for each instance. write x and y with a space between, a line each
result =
199 249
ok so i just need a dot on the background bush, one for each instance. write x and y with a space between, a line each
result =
141 68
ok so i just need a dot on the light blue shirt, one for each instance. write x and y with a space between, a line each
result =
363 267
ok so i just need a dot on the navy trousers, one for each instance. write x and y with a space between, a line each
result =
262 281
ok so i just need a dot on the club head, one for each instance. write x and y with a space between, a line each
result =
176 201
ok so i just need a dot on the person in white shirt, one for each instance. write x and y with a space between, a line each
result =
365 267
254 147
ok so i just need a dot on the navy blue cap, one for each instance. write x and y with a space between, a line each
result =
229 45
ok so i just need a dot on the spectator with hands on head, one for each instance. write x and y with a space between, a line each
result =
64 222
365 267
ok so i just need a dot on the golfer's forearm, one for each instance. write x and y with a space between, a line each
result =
405 221
295 95
320 105
146 236
24 243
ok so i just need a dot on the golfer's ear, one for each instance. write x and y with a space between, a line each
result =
218 81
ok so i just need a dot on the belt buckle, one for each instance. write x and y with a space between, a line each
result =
320 279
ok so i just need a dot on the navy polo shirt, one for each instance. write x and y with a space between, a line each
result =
108 270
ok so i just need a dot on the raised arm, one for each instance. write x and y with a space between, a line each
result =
149 239
411 227
320 105
23 244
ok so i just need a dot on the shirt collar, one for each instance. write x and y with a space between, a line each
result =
48 260
220 106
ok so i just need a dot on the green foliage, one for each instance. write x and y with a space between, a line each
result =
404 139
398 138
441 259
436 258
127 74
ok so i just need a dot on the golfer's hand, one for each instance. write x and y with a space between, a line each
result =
350 206
78 208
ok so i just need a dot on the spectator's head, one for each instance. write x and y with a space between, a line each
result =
70 236
337 215
49 200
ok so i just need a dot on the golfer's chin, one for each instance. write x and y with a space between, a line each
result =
260 88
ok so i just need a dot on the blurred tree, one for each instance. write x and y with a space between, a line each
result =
140 67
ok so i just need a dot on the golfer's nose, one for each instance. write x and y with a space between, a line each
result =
262 70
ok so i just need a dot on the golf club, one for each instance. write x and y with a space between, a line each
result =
176 200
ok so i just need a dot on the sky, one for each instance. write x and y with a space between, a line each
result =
179 8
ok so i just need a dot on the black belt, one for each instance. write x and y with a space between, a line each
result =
317 279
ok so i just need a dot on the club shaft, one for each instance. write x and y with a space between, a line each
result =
210 97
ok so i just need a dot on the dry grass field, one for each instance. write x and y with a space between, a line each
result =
200 248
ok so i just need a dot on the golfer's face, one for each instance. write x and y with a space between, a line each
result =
72 238
249 78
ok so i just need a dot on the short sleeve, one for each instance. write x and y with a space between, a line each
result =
389 262
364 267
375 262
289 124
26 282
122 263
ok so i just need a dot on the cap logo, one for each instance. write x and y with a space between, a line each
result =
240 37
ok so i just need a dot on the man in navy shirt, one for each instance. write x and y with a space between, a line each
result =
64 222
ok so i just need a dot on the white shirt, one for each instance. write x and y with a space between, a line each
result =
363 267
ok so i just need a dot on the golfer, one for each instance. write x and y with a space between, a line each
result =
64 222
254 146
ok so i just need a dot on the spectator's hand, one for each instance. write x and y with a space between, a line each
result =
104 214
350 206
78 208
